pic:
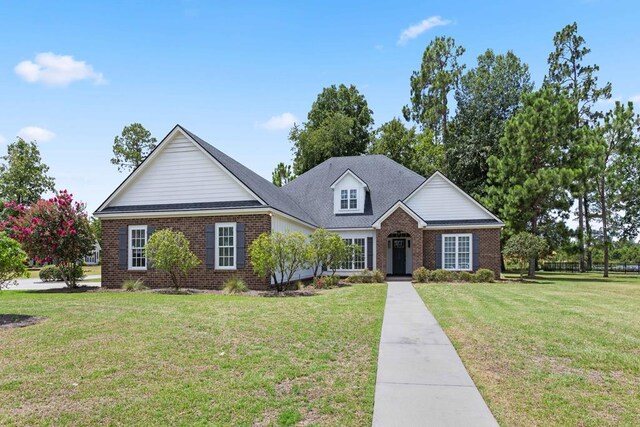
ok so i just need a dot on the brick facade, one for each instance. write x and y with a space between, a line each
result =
489 247
194 229
424 243
403 222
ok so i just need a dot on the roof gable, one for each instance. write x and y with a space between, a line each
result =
404 207
179 171
439 199
348 172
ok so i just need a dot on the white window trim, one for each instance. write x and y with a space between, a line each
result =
364 254
130 247
457 236
349 199
220 225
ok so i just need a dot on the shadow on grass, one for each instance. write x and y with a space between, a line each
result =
77 290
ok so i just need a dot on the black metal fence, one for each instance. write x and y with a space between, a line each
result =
574 267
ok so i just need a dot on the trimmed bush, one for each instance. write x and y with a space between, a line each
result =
440 275
131 285
421 275
235 285
378 276
71 272
465 276
485 275
50 273
332 281
299 285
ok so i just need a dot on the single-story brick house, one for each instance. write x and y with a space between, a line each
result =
400 219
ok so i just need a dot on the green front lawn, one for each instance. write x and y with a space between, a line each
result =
562 351
152 359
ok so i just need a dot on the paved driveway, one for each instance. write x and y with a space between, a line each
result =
37 284
421 380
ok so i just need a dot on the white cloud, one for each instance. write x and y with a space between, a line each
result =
415 30
283 121
56 70
635 99
34 133
3 140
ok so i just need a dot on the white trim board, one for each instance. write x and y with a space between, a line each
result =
399 204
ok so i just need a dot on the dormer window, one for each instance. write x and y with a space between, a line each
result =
349 199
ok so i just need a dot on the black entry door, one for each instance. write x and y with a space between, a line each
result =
399 257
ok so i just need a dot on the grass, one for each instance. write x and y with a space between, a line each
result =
88 270
564 350
150 359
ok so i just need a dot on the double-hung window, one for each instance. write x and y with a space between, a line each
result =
349 199
137 242
357 260
226 246
456 251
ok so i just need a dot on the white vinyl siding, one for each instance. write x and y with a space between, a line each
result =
440 200
137 241
226 246
456 252
181 173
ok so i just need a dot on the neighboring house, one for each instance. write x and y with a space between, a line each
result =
400 219
94 257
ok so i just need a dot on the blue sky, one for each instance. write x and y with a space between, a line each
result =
224 70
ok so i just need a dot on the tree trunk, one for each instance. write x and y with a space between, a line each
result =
533 260
605 233
581 233
589 234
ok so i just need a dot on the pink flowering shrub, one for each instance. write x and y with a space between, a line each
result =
54 231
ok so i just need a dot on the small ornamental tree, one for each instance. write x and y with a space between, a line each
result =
524 247
54 231
12 261
324 249
279 255
169 251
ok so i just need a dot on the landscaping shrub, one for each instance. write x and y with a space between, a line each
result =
365 276
485 275
235 285
169 251
465 276
50 273
421 275
131 285
440 275
378 276
299 285
71 272
12 261
326 282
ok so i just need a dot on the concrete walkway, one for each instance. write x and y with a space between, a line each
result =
421 379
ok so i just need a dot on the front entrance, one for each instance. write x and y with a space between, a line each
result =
399 256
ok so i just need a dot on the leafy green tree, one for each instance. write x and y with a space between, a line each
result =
169 251
338 124
23 176
619 146
529 177
324 249
439 74
96 228
282 174
132 147
13 261
522 247
488 95
412 149
279 255
568 73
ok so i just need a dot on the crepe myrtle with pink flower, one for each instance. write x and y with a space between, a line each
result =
54 231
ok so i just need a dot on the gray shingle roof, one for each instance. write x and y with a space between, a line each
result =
269 193
388 182
183 206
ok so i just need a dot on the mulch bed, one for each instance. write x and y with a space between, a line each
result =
190 291
18 320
